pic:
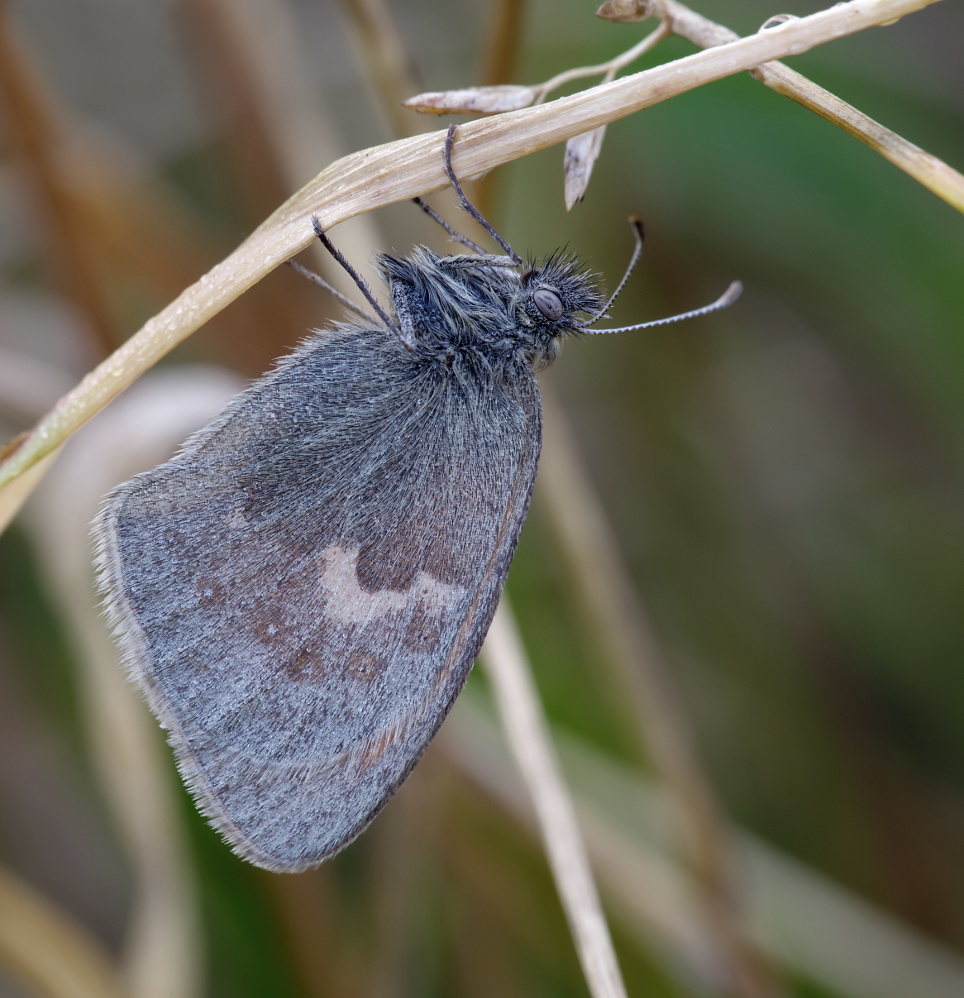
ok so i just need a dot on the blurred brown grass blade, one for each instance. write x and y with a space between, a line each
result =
501 55
34 127
389 64
252 73
48 950
109 221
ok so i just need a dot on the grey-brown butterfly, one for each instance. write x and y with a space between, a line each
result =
301 591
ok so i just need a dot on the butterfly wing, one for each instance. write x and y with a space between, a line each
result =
301 592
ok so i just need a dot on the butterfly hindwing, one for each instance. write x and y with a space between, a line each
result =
301 592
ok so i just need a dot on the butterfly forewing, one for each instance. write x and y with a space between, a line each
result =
333 548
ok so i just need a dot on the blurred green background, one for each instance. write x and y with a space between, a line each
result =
784 482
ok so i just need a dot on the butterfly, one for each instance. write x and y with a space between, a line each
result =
301 591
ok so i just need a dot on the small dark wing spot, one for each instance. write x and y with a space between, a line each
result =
302 664
424 630
365 667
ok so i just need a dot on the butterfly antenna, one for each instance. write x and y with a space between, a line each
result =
637 223
452 233
360 281
333 291
467 204
727 298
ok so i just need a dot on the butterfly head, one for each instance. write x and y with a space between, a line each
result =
554 298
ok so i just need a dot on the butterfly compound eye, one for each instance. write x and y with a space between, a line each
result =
548 303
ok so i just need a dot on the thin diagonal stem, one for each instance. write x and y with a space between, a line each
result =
525 725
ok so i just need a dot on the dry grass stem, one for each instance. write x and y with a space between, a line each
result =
16 493
929 171
611 68
403 169
647 888
800 918
526 728
497 98
640 679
